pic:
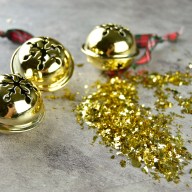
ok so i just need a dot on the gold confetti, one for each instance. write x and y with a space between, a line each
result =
133 129
68 95
185 103
190 172
123 163
187 185
80 65
53 97
113 157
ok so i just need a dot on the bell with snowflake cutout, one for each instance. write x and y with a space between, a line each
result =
21 104
45 62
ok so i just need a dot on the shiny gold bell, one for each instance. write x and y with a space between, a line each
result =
21 105
110 47
45 62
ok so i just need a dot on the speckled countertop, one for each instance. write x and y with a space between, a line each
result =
58 156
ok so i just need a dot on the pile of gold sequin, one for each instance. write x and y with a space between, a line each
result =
142 134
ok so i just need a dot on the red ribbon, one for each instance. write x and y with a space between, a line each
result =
150 41
16 35
147 41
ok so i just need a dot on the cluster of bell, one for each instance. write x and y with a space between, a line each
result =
44 64
40 64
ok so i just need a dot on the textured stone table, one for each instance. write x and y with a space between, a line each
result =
58 156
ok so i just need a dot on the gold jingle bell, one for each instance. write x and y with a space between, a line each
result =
45 62
110 47
21 105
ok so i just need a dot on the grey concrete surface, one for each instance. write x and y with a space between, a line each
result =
58 156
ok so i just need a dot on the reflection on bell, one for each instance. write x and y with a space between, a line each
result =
110 47
45 62
21 105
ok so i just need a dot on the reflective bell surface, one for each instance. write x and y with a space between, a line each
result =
21 105
45 62
110 47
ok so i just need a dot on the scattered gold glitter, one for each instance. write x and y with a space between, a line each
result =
185 103
123 163
133 129
67 95
113 157
51 97
80 65
94 138
162 101
187 185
